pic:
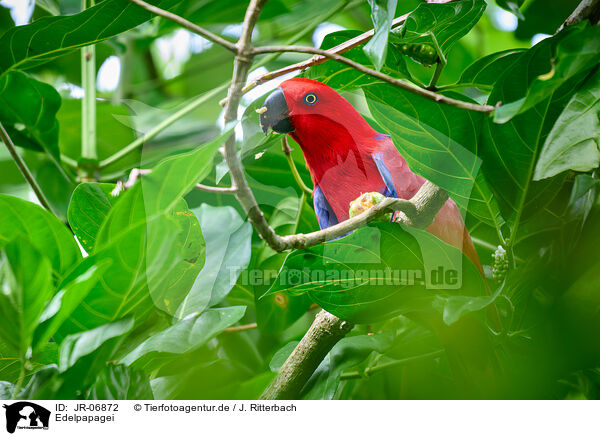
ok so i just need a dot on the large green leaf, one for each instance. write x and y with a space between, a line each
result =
62 305
182 337
440 143
26 282
138 258
46 233
49 37
509 151
90 204
485 71
448 22
574 141
227 239
382 13
379 271
28 109
162 190
577 50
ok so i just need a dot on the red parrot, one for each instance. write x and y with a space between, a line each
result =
347 157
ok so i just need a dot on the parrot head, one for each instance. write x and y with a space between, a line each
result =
307 108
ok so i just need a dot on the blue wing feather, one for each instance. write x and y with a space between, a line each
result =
323 209
390 190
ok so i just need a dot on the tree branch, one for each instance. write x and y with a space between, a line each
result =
319 59
323 334
587 9
25 170
419 212
187 24
408 86
326 330
241 66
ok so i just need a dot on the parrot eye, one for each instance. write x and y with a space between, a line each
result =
311 98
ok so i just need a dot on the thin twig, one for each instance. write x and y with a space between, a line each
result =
319 59
187 24
419 212
25 170
408 86
216 189
586 10
288 155
162 126
373 369
241 328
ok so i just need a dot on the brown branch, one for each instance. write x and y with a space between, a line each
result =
27 175
187 24
419 212
327 329
323 334
408 86
586 10
241 66
319 59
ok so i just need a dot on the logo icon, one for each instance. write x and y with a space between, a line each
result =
26 415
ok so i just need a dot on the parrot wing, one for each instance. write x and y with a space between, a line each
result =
323 209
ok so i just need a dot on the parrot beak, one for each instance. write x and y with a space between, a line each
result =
274 113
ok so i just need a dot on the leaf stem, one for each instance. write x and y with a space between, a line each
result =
25 170
373 369
88 103
288 155
162 126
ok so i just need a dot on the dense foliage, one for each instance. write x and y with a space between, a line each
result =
153 291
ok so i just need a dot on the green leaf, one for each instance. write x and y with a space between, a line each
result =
509 150
47 234
90 204
573 143
184 336
485 71
440 143
49 37
28 108
348 352
119 382
378 272
448 22
276 312
26 283
228 239
162 190
78 346
512 6
140 257
575 50
382 13
63 304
